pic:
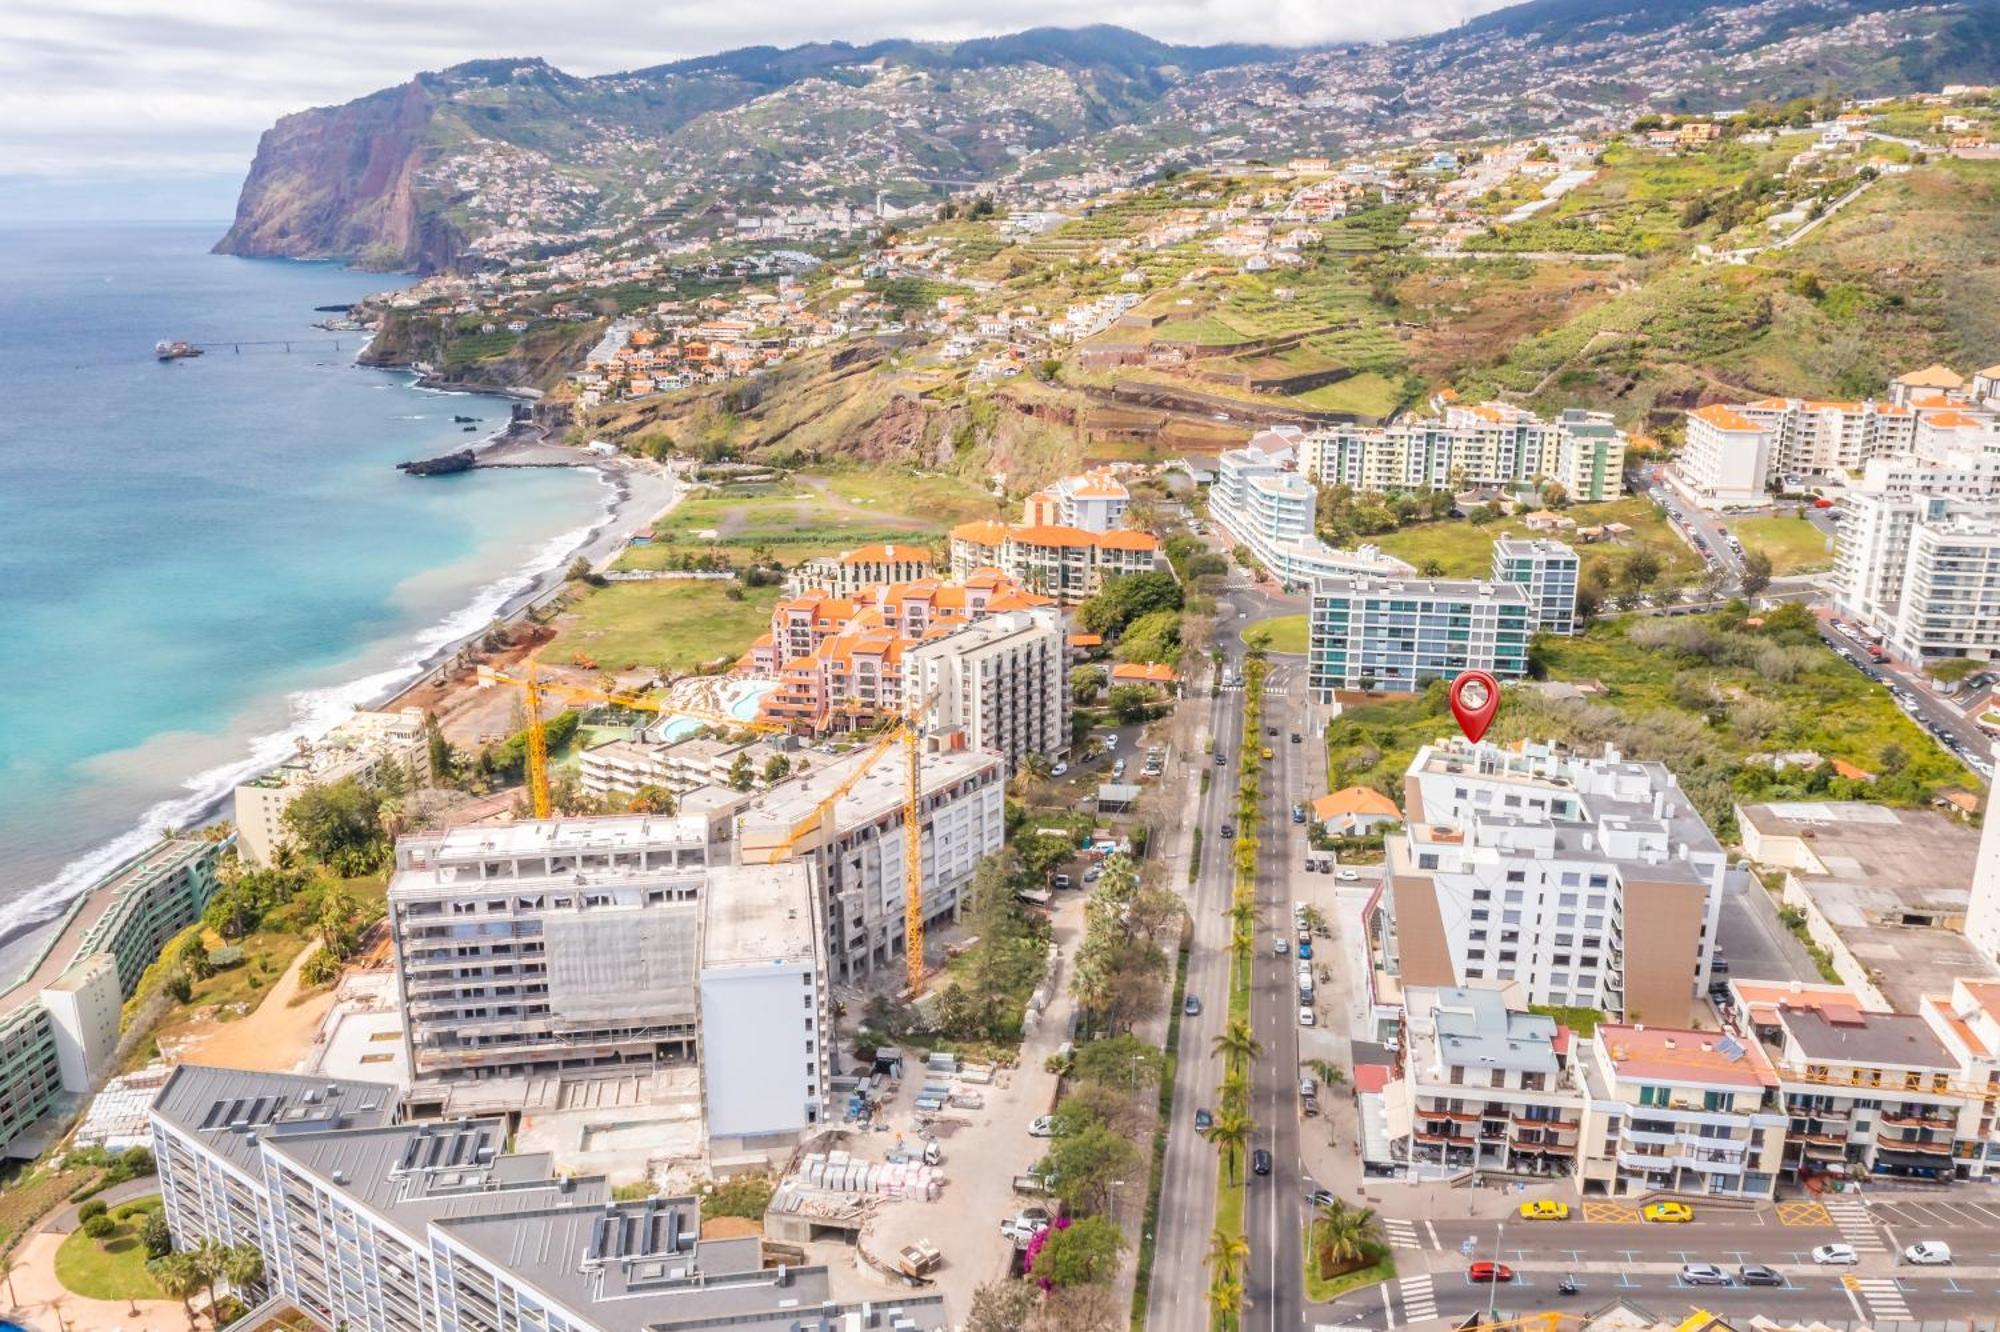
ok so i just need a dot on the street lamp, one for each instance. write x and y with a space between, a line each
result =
1116 1185
1493 1284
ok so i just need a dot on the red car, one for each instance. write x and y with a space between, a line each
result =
1484 1271
1822 503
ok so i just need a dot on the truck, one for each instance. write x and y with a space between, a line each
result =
1031 1185
917 1260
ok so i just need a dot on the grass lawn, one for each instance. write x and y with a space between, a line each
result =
113 1268
675 625
1582 1021
1288 632
1319 1291
1466 550
1794 544
1367 394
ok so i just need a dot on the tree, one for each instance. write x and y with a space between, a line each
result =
1086 1161
321 968
1640 570
651 799
1154 636
1342 1234
1123 600
1081 1252
339 825
1235 1043
244 1266
157 1235
1228 1256
1329 1073
209 1258
1756 572
1130 704
1230 1133
1084 682
338 924
1431 569
178 1279
740 775
1002 1306
776 769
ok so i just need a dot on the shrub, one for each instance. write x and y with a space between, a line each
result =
99 1226
93 1209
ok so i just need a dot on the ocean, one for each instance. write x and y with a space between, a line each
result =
202 561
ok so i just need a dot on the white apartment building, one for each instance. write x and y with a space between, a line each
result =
846 574
1982 912
1066 563
619 768
1488 444
1811 438
1681 1111
856 844
1949 602
1537 864
1257 501
1727 461
1488 1085
1400 634
582 945
377 1225
1002 682
362 746
1548 570
1094 501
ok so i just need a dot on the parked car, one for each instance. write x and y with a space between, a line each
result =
1703 1274
1347 876
1756 1274
1306 949
1260 1162
1021 1226
1191 1006
1059 770
1489 1271
1305 1015
1929 1253
1667 1211
1835 1255
1545 1209
1044 1126
1319 1197
1297 737
1203 1120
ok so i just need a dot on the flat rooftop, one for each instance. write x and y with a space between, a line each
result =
873 794
1668 1054
1457 589
758 913
1848 1035
564 836
1907 856
1473 1027
231 1109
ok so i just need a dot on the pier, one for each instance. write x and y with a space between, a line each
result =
236 346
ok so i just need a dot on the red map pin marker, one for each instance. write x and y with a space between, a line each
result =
1475 697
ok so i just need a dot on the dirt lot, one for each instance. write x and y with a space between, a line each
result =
983 1150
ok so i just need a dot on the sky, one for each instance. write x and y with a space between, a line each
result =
137 108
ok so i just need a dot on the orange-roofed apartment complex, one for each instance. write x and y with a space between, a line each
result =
847 573
1068 542
988 656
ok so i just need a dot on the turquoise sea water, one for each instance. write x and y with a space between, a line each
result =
202 560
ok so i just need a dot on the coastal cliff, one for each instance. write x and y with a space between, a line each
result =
341 183
537 359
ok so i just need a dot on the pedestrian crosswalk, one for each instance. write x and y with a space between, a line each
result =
1419 1298
1402 1234
1883 1297
1856 1226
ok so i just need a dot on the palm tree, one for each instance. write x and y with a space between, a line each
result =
244 1267
1235 1088
1342 1234
207 1258
7 1266
1228 1255
1329 1073
1236 1043
177 1280
1230 1131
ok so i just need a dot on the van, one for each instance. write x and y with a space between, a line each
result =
1061 881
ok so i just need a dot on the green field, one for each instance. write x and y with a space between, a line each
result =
1794 544
1466 550
113 1268
1288 632
676 626
1367 394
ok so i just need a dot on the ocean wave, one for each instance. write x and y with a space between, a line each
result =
313 712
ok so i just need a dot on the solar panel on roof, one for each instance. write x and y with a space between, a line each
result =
1730 1048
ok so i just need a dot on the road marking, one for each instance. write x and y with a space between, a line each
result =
1403 1234
1610 1213
1884 1296
1388 1309
1856 1225
1433 1231
1419 1298
1804 1214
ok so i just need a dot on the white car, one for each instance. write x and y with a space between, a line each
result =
1059 770
1835 1255
1928 1253
1347 876
1044 1126
1305 1016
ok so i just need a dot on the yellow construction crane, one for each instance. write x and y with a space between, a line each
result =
534 689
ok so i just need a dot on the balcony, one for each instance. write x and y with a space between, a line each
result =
1557 1125
1906 1119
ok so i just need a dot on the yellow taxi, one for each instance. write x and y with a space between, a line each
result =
1267 753
1667 1211
1548 1209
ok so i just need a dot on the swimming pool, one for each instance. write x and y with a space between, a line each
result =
739 699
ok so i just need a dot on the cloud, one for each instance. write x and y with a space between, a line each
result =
104 89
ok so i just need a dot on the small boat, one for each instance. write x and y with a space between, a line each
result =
175 350
464 420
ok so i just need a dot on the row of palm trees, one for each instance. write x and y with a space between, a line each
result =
183 1274
1232 1127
